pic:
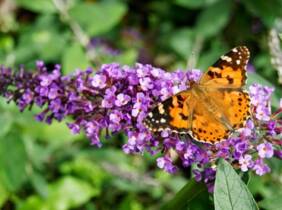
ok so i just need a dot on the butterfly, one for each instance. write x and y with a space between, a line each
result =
212 108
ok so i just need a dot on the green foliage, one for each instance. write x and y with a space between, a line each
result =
12 151
74 57
230 191
98 18
46 167
213 19
41 6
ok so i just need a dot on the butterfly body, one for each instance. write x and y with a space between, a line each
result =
211 109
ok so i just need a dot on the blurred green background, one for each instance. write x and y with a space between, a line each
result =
46 168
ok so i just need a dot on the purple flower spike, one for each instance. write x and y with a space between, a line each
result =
117 99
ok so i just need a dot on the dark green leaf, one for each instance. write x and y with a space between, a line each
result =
13 160
268 11
213 19
185 195
230 192
74 58
97 18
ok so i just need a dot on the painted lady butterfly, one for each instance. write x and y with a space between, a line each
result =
212 108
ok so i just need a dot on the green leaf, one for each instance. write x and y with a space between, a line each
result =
40 6
182 42
272 203
213 19
87 169
69 192
268 11
185 195
66 193
49 44
6 122
39 183
3 195
74 58
193 4
128 57
42 40
13 160
280 35
32 202
230 192
99 17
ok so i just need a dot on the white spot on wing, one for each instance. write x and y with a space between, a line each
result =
226 58
161 108
163 120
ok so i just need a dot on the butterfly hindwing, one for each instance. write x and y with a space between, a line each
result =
172 114
206 127
235 105
229 71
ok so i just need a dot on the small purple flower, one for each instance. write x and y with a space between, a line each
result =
260 167
197 175
122 99
166 164
75 128
115 121
246 162
146 83
99 81
265 150
109 98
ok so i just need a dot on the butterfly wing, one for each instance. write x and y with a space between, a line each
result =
235 105
206 126
222 84
229 71
173 114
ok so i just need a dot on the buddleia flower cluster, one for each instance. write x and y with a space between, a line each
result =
117 98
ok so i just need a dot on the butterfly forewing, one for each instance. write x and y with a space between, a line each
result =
173 114
229 71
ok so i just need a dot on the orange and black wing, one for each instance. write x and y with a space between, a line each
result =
173 114
229 71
